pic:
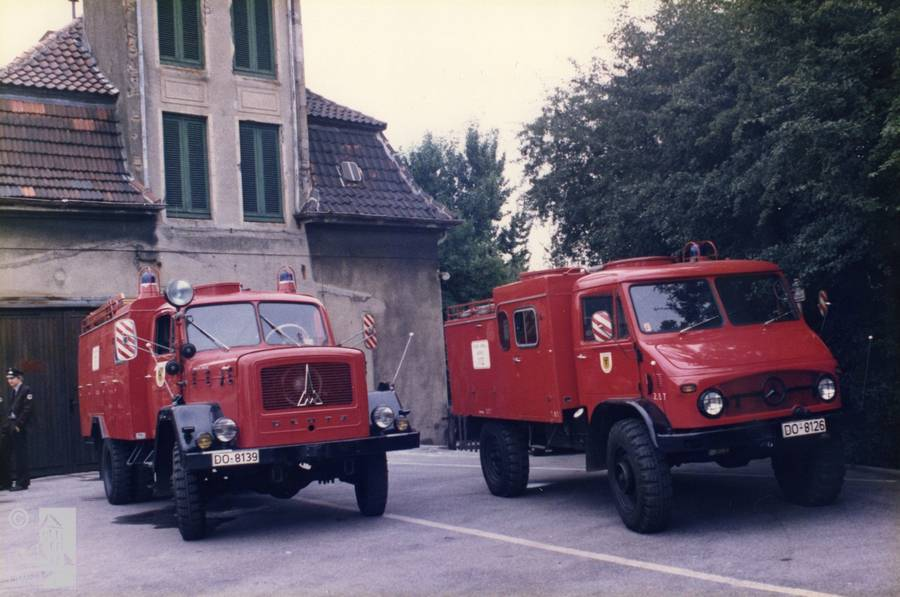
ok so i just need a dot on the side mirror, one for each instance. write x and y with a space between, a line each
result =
601 326
188 350
173 368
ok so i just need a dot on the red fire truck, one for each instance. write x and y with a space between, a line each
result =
645 364
194 391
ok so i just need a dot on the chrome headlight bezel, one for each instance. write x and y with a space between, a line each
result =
383 416
707 401
830 392
225 429
179 293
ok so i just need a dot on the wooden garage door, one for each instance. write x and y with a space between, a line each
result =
44 344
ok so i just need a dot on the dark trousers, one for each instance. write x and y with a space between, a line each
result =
6 456
20 456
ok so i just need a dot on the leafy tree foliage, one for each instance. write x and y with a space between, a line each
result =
479 253
771 127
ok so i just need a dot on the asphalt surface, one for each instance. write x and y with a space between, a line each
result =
443 533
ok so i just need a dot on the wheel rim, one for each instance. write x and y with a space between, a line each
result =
494 463
623 475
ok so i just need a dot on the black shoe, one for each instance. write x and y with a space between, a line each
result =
5 487
19 488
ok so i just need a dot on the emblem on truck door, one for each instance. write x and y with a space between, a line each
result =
606 361
310 395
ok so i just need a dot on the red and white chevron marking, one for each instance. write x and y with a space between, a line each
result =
601 326
370 340
368 321
126 340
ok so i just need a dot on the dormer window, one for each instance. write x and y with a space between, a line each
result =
350 172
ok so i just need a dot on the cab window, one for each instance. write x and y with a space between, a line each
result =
589 306
162 338
526 325
503 329
222 327
621 323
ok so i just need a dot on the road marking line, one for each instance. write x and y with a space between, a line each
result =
534 468
756 476
591 555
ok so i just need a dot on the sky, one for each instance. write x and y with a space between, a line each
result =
422 65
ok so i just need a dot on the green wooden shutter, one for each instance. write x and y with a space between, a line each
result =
248 169
195 138
263 14
172 159
271 170
190 31
241 24
165 10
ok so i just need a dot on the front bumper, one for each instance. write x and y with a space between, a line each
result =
758 436
290 455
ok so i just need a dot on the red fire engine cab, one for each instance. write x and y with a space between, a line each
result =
645 364
194 391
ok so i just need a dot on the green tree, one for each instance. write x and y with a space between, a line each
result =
771 127
480 253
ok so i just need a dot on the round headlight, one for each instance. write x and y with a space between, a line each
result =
711 403
179 292
826 389
225 429
383 416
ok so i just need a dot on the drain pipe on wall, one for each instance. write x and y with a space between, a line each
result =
303 188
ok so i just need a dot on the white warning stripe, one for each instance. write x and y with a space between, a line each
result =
368 320
601 326
125 340
593 555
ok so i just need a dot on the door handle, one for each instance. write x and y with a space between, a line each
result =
517 359
581 357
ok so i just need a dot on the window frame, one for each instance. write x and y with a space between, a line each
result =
185 210
501 325
257 128
252 49
586 317
537 332
157 345
178 27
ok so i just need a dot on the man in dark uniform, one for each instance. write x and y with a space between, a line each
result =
14 420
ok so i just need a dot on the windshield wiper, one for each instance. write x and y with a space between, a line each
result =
697 324
279 332
779 316
218 342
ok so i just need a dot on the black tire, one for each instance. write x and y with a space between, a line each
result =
117 477
504 459
371 484
639 477
143 483
190 505
811 474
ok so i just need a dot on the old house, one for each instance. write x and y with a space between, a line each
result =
180 134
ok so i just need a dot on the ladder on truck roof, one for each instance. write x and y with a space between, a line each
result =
102 314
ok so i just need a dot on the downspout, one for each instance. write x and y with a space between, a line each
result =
143 93
298 95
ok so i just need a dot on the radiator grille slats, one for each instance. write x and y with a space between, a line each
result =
306 385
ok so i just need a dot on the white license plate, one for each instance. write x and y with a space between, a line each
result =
234 457
805 427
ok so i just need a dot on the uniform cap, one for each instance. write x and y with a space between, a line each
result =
13 372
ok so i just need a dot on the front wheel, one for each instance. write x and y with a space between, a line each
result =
118 481
190 506
811 474
504 459
639 477
371 484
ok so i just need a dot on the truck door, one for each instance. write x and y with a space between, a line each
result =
163 351
529 375
605 357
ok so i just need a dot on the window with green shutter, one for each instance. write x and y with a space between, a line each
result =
185 164
260 172
180 32
253 38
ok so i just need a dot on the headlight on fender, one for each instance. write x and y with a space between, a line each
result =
711 403
383 416
826 388
225 429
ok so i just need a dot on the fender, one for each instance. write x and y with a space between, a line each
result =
654 419
98 429
184 423
608 412
383 398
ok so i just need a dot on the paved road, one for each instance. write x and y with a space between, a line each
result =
445 534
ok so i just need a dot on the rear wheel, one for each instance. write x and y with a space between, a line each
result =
811 474
504 459
190 506
118 480
639 477
371 484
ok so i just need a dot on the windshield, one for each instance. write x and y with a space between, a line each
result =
757 298
292 323
675 306
222 326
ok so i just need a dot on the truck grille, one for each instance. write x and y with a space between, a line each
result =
306 385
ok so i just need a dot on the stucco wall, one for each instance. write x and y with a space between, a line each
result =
398 266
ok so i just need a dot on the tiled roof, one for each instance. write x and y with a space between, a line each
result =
320 107
59 62
385 191
63 153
